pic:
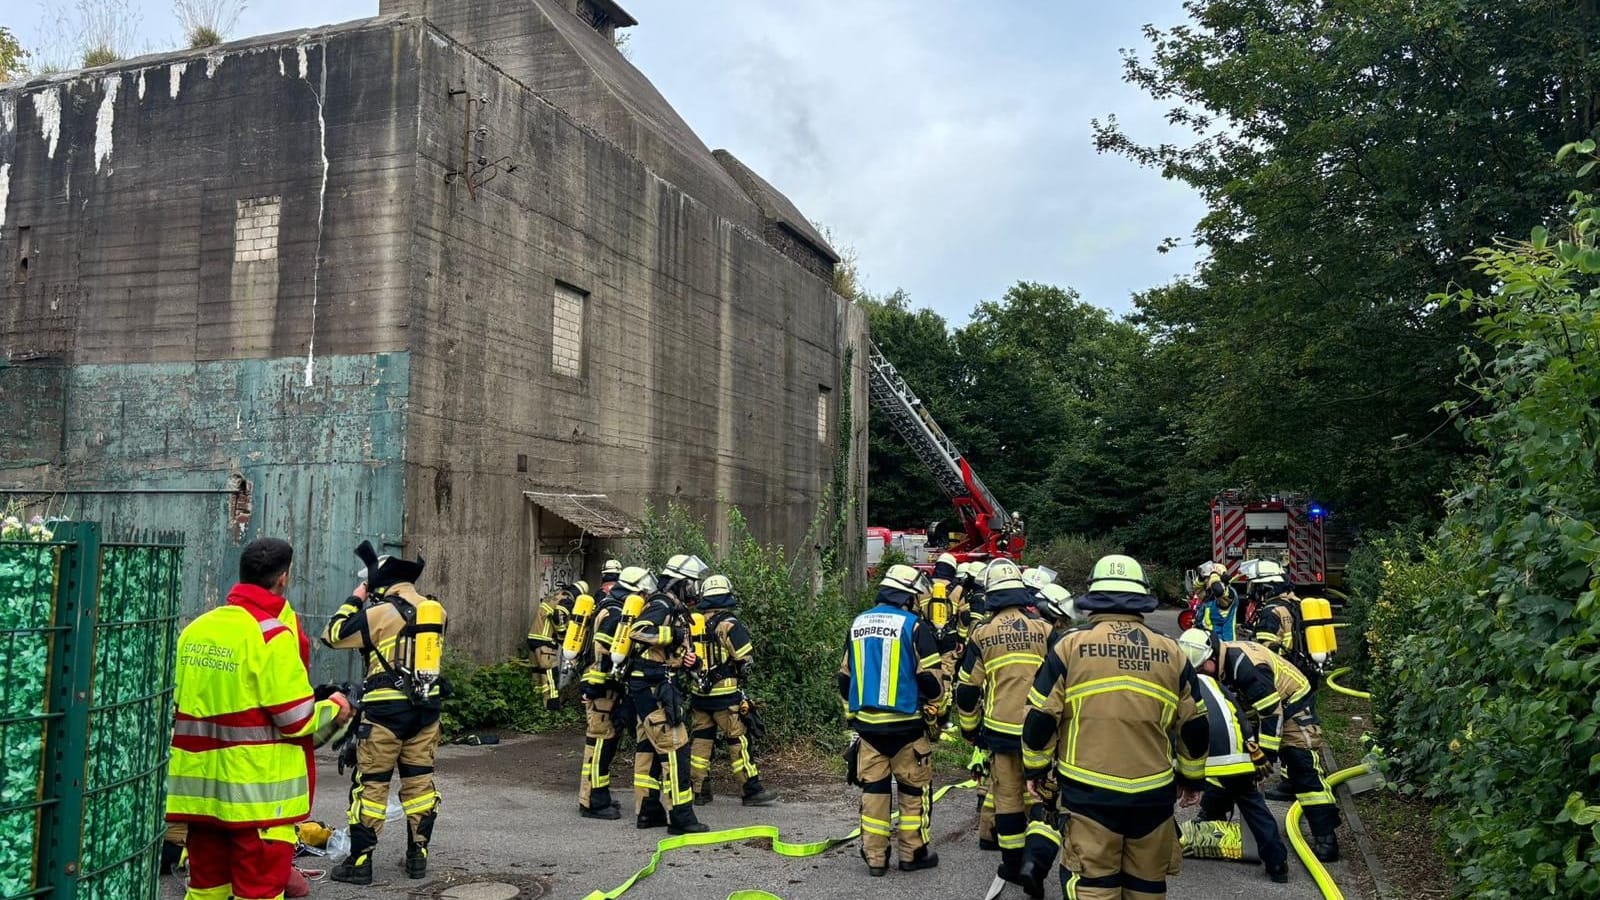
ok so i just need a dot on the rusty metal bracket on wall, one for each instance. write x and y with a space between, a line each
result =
476 168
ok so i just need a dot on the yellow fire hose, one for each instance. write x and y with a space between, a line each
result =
1291 824
1338 688
749 832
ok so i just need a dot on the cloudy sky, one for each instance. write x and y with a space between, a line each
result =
947 141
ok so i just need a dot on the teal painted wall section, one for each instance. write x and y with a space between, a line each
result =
164 446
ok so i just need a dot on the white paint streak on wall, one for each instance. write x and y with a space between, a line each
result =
141 85
319 92
213 60
105 121
8 113
300 51
5 190
47 111
281 72
175 76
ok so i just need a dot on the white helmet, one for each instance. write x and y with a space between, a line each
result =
612 567
1197 645
1003 575
905 578
1037 577
685 565
716 586
638 580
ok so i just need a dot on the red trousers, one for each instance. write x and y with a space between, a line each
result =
237 863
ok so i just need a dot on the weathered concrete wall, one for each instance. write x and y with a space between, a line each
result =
704 350
215 292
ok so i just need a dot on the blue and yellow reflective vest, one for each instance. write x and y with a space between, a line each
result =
882 662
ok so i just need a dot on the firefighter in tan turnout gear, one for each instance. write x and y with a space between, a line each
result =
724 657
400 634
545 634
658 650
1279 695
605 706
997 671
1105 710
889 680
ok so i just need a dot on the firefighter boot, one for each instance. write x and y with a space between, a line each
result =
1325 847
357 867
683 821
755 794
703 796
651 814
1283 791
417 861
925 858
1278 873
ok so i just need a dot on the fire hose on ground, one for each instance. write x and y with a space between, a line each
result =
1291 821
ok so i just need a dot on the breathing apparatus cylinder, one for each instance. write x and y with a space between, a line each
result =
702 649
1321 641
939 604
577 629
428 651
623 644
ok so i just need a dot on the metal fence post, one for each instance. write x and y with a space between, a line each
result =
67 736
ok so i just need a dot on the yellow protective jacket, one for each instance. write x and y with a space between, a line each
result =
997 673
1270 686
549 625
1108 703
245 712
379 631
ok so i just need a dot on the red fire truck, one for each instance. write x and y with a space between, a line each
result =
1288 529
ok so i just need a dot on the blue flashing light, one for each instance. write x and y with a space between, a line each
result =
1317 511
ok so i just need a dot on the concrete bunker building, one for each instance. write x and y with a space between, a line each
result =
456 278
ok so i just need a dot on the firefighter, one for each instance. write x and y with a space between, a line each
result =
717 696
1001 661
890 684
1235 764
608 575
1109 702
660 648
602 693
550 618
241 670
972 615
1219 611
1279 695
1277 623
1054 602
399 633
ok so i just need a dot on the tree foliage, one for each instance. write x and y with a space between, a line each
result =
1484 639
13 58
1351 154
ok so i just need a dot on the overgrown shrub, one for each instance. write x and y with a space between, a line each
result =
796 608
500 696
1073 557
1485 662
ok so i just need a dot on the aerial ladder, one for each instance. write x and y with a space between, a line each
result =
988 530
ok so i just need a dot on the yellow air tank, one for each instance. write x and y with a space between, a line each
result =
1321 642
429 648
623 643
939 604
702 649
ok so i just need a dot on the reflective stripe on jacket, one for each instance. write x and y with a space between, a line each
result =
245 707
881 660
1227 754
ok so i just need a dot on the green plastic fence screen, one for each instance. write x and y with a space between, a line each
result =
88 631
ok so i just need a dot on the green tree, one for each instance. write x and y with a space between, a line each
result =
1351 154
13 59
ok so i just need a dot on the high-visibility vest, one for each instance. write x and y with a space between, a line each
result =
244 706
883 665
1227 754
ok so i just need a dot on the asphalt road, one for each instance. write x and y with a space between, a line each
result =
509 815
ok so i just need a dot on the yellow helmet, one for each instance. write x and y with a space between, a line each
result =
716 586
905 578
638 580
1120 574
1003 575
1197 646
1055 601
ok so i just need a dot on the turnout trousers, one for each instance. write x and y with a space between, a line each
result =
599 748
707 722
1302 760
394 735
904 759
660 756
1223 794
1008 792
1119 853
243 863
